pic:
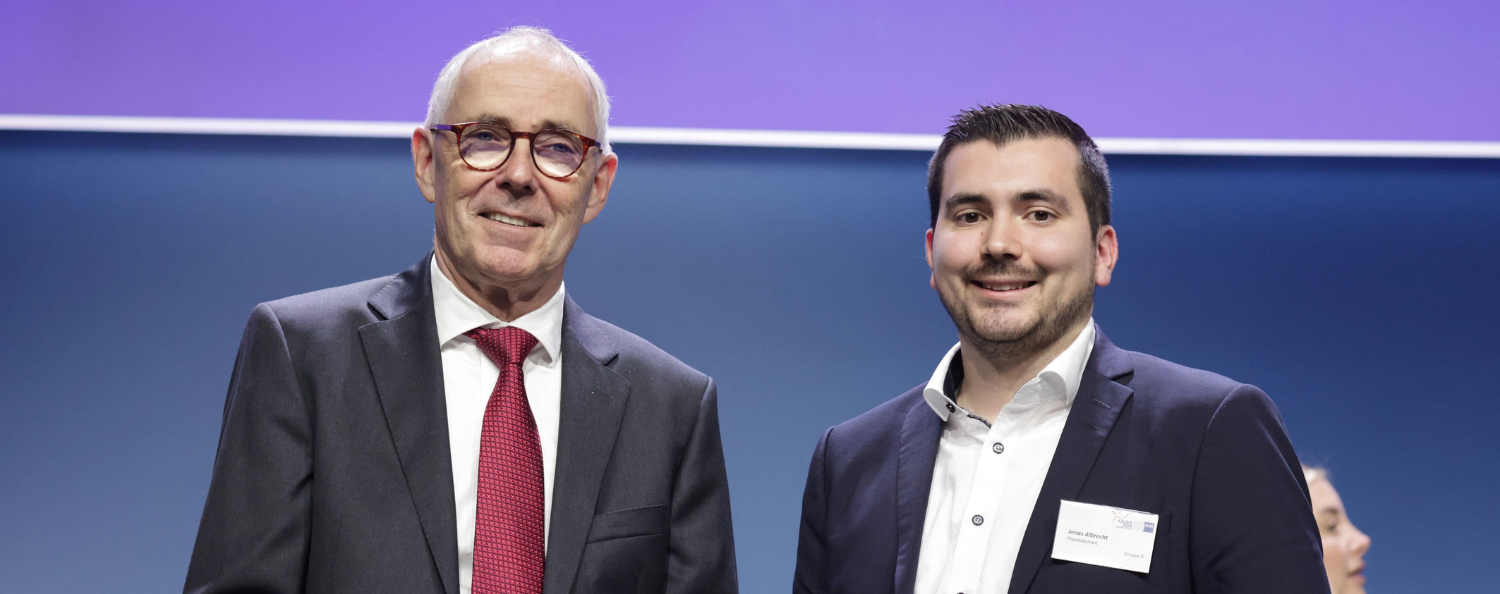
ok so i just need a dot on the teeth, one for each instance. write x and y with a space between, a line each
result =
507 220
1006 287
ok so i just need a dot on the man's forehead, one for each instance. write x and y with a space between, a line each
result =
524 88
983 167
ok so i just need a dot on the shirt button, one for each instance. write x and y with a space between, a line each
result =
951 409
978 520
999 448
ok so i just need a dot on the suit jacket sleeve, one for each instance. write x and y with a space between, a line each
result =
255 528
701 554
1252 528
812 549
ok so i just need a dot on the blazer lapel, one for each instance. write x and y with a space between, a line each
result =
1095 409
406 362
919 444
593 402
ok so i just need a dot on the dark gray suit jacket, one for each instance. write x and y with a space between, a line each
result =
333 471
1206 453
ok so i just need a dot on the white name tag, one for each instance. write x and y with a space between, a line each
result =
1103 535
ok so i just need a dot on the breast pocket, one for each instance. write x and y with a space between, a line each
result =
626 552
641 521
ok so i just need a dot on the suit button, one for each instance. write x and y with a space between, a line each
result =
978 520
950 407
999 448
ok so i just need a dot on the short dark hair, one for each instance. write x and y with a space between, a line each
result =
1004 123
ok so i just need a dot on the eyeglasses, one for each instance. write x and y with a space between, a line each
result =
485 147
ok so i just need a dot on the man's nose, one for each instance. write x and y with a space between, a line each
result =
518 173
1001 239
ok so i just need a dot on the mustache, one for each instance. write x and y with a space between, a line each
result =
993 268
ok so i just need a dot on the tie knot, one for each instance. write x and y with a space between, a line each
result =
506 346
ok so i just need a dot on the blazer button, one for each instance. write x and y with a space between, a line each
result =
999 448
978 520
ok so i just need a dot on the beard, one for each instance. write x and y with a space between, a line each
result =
997 340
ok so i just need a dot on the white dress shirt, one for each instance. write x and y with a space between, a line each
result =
469 377
986 478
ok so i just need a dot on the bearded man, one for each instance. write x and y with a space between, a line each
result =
1040 457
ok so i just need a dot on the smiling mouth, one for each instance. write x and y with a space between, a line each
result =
1004 286
509 220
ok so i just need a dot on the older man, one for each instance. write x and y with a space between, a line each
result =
1040 457
463 426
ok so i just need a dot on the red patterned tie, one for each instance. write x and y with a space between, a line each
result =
508 540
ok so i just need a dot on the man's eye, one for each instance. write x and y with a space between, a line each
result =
558 148
1041 216
969 217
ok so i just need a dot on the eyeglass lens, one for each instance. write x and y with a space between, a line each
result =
557 154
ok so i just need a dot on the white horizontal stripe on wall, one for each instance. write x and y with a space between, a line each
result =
764 138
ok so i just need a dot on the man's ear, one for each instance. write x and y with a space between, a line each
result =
604 177
422 162
931 279
1106 254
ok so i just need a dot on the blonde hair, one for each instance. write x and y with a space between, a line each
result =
1314 473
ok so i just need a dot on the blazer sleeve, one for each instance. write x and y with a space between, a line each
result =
812 548
701 551
255 528
1252 528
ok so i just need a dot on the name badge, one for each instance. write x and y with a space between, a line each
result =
1103 535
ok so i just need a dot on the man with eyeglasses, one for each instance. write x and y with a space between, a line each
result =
463 426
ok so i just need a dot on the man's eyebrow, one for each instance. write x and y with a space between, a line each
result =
1046 195
556 125
963 199
486 118
505 122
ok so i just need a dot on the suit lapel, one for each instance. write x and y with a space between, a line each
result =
919 444
406 362
593 402
1095 409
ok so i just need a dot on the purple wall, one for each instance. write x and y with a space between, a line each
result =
1267 69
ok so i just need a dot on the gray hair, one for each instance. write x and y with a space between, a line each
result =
533 40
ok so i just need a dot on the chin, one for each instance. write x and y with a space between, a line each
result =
505 274
497 261
1003 328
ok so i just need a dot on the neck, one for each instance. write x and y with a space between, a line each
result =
505 303
991 382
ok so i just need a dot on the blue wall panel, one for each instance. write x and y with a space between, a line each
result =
1358 293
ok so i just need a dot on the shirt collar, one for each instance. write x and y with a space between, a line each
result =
457 314
1060 377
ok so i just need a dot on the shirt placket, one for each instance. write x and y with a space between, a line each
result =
977 521
984 510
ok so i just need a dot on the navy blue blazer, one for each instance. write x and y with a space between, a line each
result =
1208 454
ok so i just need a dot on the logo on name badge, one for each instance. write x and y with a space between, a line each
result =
1150 527
1121 520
